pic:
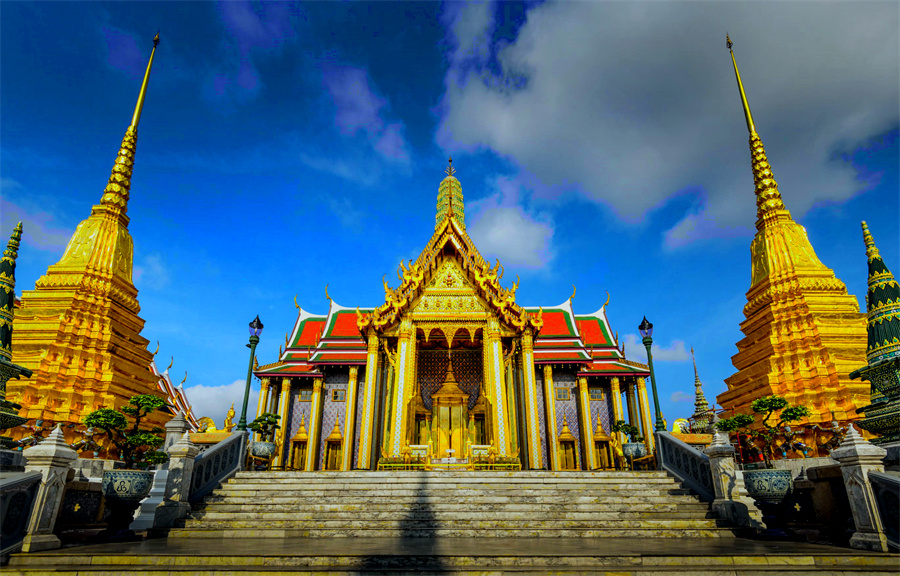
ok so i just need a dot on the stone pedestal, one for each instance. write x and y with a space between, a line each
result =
858 457
175 429
175 505
731 501
52 458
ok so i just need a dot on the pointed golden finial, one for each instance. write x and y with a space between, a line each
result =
255 362
327 297
607 299
118 187
157 348
450 170
297 306
694 360
573 293
185 377
768 198
871 249
172 363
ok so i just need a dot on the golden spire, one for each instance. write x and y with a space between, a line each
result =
871 249
119 185
768 198
450 199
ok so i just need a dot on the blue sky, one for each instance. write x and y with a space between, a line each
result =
285 147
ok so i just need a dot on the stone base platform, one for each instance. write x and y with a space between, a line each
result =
465 556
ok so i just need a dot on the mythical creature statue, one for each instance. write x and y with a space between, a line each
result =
228 425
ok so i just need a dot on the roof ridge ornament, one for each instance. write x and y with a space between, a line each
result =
450 170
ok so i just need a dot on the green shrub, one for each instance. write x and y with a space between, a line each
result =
136 446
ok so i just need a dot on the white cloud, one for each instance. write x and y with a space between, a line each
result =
38 227
359 109
633 103
679 396
152 272
214 401
502 228
675 352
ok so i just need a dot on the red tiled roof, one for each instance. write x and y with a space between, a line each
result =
592 333
556 323
310 331
343 325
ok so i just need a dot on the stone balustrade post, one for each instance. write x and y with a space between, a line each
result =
52 458
858 457
175 429
730 503
175 505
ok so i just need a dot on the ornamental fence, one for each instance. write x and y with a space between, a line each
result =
688 464
17 494
886 487
217 464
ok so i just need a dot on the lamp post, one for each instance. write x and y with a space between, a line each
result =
255 330
646 329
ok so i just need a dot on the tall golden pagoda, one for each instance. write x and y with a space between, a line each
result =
803 332
79 329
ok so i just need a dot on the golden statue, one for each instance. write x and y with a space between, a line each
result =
228 425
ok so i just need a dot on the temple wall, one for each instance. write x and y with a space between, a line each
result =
296 411
360 398
601 408
568 409
467 368
336 378
542 419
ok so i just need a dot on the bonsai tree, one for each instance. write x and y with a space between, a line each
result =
631 431
265 425
767 407
136 446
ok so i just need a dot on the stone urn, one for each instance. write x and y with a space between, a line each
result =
770 486
262 450
123 491
633 450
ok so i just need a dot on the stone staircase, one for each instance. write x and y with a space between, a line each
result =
451 504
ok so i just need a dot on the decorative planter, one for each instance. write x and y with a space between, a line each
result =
633 450
262 449
127 485
768 485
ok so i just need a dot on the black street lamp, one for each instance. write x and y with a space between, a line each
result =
646 329
255 330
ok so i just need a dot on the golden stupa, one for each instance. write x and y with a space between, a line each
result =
803 332
79 329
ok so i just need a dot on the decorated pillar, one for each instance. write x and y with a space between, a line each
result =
367 429
615 395
550 413
315 425
512 424
632 409
406 357
263 399
498 388
349 420
532 425
587 431
646 422
283 408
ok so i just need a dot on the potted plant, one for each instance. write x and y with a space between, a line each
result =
766 485
635 447
265 425
137 448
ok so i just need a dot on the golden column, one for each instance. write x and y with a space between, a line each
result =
513 423
349 420
500 401
315 425
263 399
283 412
615 395
632 409
587 431
646 421
366 432
532 426
550 414
406 357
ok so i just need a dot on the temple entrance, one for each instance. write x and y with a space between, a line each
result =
450 409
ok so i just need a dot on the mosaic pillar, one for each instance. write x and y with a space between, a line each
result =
646 423
283 412
632 409
533 428
263 399
616 397
315 426
550 413
498 389
367 428
587 431
406 357
512 422
349 420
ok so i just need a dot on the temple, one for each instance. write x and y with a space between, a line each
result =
803 333
79 331
451 371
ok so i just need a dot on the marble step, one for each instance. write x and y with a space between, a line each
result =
447 516
438 475
443 507
398 503
578 480
618 532
404 523
459 495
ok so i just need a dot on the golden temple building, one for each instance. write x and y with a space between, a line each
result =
79 330
803 333
451 371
